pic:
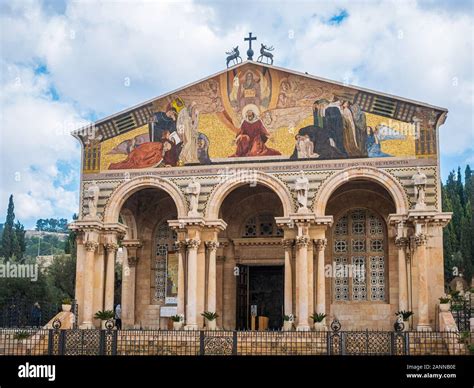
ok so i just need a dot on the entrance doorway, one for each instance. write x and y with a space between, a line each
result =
260 290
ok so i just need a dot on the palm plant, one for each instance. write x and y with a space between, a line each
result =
318 317
405 314
210 316
104 315
21 335
176 318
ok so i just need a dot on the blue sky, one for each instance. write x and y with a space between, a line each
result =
64 64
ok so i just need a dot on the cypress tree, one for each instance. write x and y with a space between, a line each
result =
9 243
458 236
20 240
449 237
460 188
466 243
468 184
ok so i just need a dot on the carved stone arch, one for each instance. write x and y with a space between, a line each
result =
221 191
381 177
126 189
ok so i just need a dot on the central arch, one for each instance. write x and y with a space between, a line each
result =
259 178
126 189
383 178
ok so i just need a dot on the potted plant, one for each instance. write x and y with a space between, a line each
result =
288 321
21 335
406 317
66 305
104 316
211 319
444 303
318 319
177 321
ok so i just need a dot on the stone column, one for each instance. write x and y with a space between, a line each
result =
288 300
191 306
302 242
181 277
310 274
320 245
212 278
99 279
402 245
80 263
229 287
201 284
423 297
132 265
88 296
129 282
111 250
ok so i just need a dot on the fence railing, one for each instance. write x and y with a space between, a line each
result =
18 312
22 313
462 312
193 343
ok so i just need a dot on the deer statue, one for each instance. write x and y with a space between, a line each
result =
264 53
233 56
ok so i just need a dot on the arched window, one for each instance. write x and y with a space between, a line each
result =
165 243
262 225
359 252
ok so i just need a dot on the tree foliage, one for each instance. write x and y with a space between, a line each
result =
458 238
52 224
13 235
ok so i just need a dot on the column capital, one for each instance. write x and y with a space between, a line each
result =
288 243
420 239
302 241
111 247
402 242
181 244
193 243
91 246
320 243
132 261
212 245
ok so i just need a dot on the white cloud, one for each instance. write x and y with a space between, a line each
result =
33 141
419 50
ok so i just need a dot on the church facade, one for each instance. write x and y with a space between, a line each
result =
263 192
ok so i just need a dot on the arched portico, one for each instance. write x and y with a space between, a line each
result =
126 189
254 178
372 174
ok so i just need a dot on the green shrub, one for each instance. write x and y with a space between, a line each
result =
405 314
210 316
104 315
318 317
21 335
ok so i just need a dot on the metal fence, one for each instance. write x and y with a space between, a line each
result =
18 312
251 343
462 312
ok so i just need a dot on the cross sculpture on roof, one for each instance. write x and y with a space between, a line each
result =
250 51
